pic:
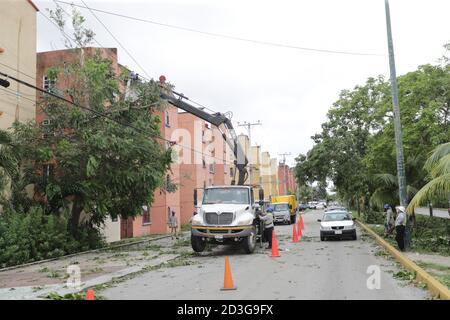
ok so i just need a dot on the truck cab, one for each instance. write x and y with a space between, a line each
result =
226 215
291 201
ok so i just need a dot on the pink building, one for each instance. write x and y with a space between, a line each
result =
286 179
203 160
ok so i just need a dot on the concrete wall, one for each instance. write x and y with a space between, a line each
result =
18 43
111 231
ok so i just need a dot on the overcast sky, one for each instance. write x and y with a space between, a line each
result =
288 90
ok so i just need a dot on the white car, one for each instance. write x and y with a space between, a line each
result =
320 206
337 224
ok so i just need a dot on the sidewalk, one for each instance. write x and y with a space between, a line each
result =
441 213
35 281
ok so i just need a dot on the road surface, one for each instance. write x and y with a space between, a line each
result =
310 269
441 213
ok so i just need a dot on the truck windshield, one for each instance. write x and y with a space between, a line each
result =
280 207
226 195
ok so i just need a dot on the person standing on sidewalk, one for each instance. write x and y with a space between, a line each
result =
267 217
388 220
400 227
173 224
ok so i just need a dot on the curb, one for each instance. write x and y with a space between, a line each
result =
81 253
434 286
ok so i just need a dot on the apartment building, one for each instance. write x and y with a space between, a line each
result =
18 59
203 158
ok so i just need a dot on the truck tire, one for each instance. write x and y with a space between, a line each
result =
249 243
198 244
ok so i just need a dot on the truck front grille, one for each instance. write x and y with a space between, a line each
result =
219 219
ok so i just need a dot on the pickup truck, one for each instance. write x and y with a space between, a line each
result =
227 215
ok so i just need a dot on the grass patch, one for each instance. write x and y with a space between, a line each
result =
71 296
185 227
404 275
435 266
430 235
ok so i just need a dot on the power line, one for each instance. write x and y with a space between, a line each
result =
219 35
14 69
115 38
128 53
106 116
69 15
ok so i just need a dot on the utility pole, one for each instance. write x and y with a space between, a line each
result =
397 125
249 126
284 170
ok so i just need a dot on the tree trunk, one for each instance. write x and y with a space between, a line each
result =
76 214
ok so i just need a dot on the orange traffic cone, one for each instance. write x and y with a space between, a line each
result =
275 252
300 234
299 229
228 279
90 295
294 234
303 225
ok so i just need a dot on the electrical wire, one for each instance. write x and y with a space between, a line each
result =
115 38
14 69
107 116
219 35
128 53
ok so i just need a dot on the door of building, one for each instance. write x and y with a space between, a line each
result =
126 228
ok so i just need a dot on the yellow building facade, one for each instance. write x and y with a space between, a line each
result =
17 59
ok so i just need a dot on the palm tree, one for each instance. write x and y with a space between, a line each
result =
438 167
387 183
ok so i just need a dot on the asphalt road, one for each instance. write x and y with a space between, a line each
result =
442 213
310 269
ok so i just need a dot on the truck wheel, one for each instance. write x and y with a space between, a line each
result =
198 244
249 243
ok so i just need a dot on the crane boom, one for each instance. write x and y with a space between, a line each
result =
217 119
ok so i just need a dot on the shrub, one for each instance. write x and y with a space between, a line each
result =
33 236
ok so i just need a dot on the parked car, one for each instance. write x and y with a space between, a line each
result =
320 206
312 205
337 224
302 207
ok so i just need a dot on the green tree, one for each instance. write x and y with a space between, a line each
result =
103 158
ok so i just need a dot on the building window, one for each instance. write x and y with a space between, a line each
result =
212 168
231 172
168 213
167 119
203 163
49 84
146 215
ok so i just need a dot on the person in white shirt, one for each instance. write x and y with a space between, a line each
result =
173 224
400 222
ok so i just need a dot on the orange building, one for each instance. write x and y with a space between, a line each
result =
286 179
